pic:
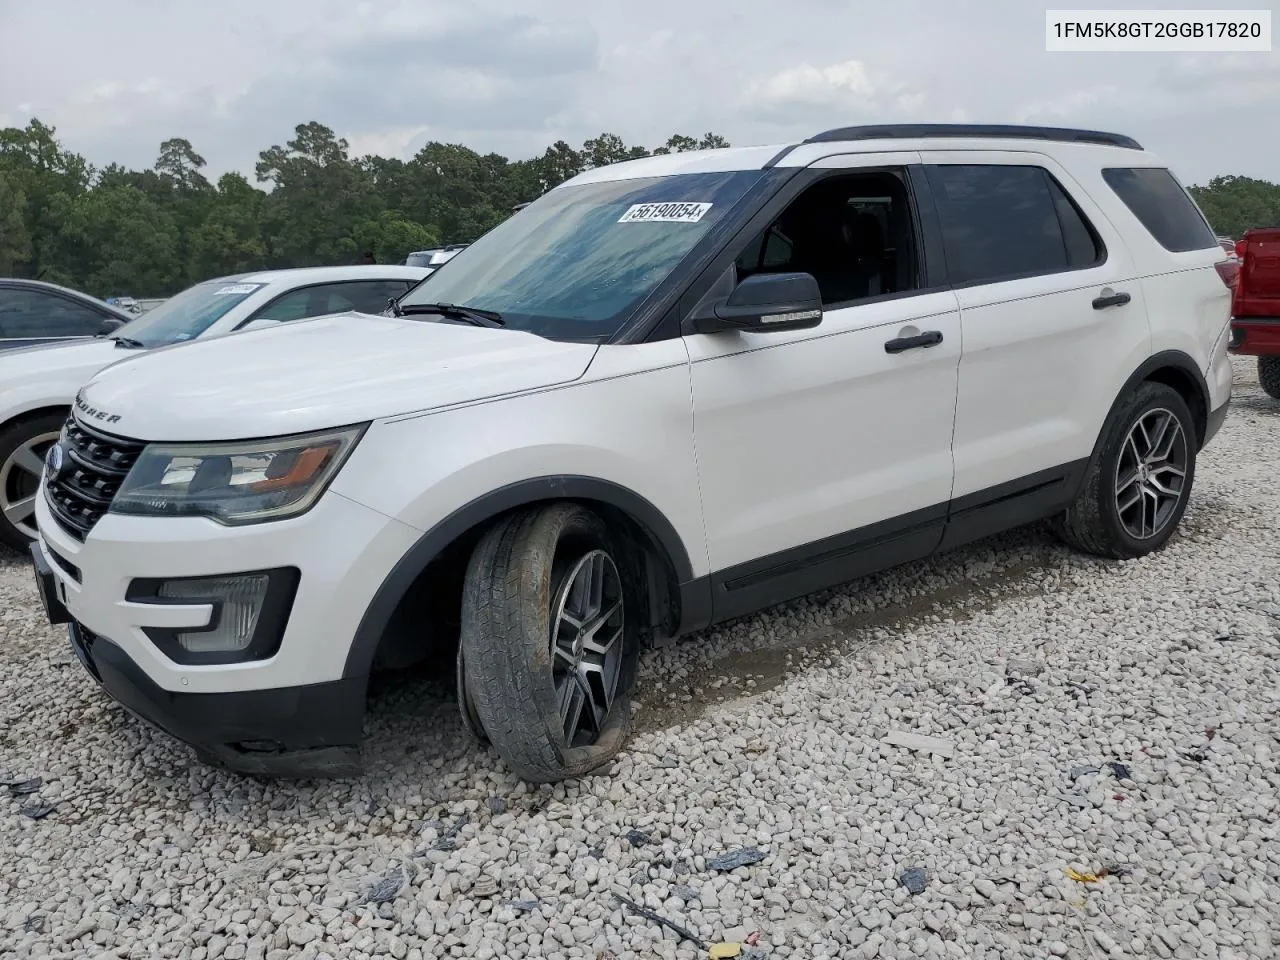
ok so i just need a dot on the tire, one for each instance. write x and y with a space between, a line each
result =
1095 522
517 581
22 446
1269 376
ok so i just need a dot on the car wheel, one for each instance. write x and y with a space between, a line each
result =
1138 486
1269 376
23 444
549 643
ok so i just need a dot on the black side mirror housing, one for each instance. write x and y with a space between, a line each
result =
763 303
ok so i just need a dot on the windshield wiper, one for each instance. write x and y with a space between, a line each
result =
129 343
471 315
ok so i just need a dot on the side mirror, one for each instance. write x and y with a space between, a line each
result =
764 303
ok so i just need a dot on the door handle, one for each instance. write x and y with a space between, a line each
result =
930 338
1112 300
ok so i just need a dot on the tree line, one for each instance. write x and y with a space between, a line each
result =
116 231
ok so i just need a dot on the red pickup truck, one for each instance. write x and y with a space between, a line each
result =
1255 305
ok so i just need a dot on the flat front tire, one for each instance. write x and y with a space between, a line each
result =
1139 484
549 642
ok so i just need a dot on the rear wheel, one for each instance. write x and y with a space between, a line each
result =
1138 487
23 444
549 646
1269 375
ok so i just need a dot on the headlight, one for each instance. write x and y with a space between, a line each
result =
235 483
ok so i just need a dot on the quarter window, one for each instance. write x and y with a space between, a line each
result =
1003 222
1163 207
33 314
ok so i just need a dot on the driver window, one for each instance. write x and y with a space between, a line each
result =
853 233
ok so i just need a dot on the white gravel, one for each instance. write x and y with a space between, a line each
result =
1039 667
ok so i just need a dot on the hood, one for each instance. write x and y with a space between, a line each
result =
48 375
94 353
326 372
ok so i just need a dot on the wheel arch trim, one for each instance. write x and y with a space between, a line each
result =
1165 359
430 545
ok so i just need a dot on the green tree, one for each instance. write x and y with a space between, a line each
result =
120 240
609 148
318 197
15 241
1234 204
49 177
391 237
229 240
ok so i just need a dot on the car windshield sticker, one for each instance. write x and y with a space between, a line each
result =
232 289
665 213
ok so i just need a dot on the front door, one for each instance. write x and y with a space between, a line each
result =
825 453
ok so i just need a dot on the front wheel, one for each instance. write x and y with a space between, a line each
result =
23 444
549 642
1139 484
1269 376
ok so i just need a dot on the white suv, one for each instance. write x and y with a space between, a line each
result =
669 392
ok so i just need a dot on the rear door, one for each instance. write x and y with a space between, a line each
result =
1052 322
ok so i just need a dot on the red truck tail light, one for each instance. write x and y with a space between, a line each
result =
1241 245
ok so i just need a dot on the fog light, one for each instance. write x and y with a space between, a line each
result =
247 623
240 602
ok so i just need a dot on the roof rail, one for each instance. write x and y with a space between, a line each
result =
911 131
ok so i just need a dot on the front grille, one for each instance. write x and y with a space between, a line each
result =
96 465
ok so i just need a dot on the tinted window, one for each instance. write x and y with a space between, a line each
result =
364 296
1000 222
34 313
1164 208
1084 249
852 233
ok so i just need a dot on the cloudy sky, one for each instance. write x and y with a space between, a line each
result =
234 76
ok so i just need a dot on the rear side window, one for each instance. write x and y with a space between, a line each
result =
1158 200
36 314
1002 222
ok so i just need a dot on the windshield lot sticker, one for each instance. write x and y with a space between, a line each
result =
665 213
235 288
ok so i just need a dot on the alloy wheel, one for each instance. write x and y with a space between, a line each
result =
20 482
587 645
1151 473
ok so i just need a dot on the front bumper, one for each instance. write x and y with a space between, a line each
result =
311 731
293 713
342 551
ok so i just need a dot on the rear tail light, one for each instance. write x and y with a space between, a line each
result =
1240 248
1229 271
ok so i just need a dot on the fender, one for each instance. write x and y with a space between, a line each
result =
393 589
1157 361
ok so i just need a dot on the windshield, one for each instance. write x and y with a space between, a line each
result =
579 260
187 315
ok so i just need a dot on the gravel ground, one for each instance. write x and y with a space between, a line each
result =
1039 670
